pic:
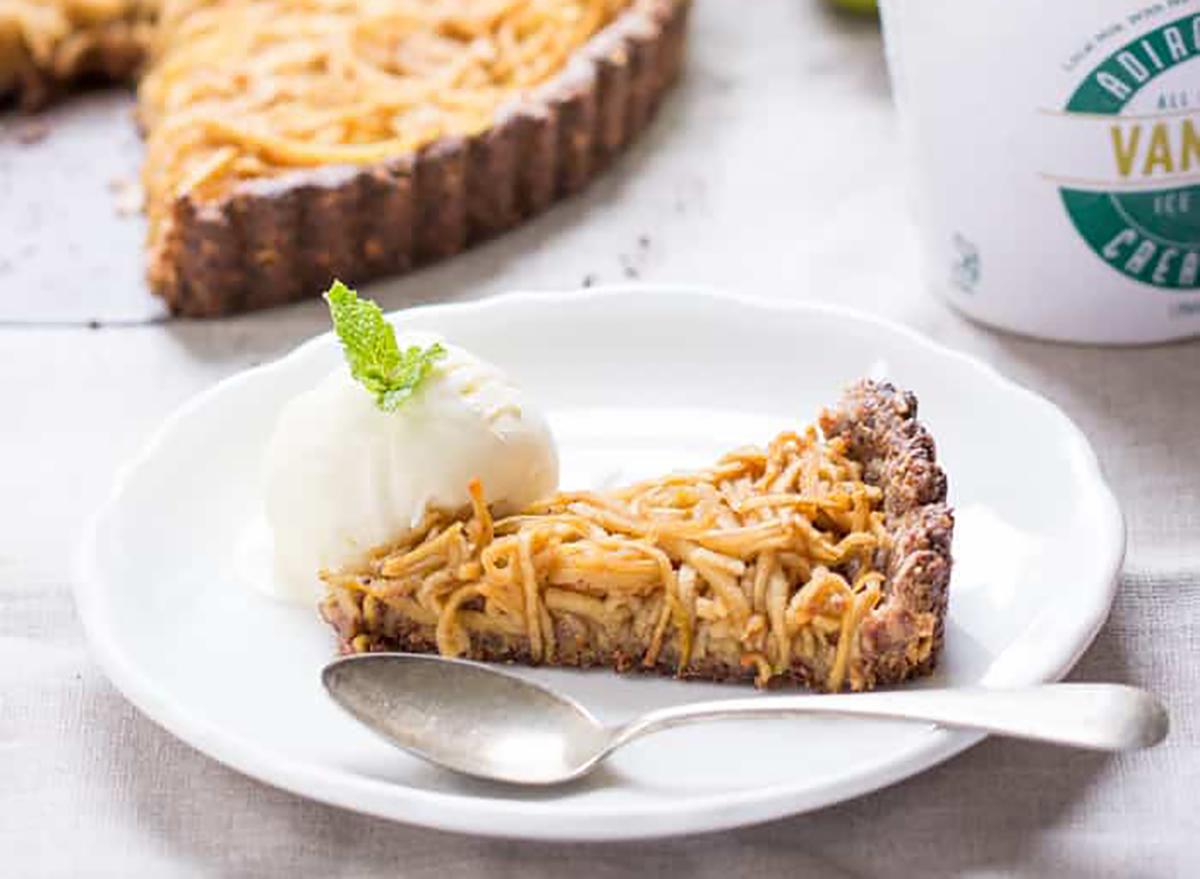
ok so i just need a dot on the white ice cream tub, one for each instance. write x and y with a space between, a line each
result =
1055 149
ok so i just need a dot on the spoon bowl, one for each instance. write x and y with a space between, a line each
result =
489 723
468 717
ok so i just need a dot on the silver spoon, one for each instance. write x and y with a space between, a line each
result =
481 721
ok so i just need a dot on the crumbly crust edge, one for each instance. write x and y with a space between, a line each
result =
903 636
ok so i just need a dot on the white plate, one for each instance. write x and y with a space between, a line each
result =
635 380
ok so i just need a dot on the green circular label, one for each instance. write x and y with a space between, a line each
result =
1146 225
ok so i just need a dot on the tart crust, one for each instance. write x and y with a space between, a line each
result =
903 636
900 638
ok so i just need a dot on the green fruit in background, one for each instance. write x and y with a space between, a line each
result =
856 5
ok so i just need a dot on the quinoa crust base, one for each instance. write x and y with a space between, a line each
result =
900 639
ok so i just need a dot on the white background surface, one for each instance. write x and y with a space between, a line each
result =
773 170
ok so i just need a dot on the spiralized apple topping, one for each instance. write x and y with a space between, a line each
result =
771 555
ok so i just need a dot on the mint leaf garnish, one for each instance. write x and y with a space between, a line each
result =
374 356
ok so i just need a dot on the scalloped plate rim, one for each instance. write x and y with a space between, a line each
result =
464 813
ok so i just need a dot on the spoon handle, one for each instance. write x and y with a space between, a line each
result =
1102 717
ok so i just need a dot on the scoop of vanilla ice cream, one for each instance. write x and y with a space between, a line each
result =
344 477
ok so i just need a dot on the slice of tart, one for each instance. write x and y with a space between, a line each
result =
821 560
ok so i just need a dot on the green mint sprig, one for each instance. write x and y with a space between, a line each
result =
374 356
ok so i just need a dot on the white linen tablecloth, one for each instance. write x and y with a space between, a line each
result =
774 170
